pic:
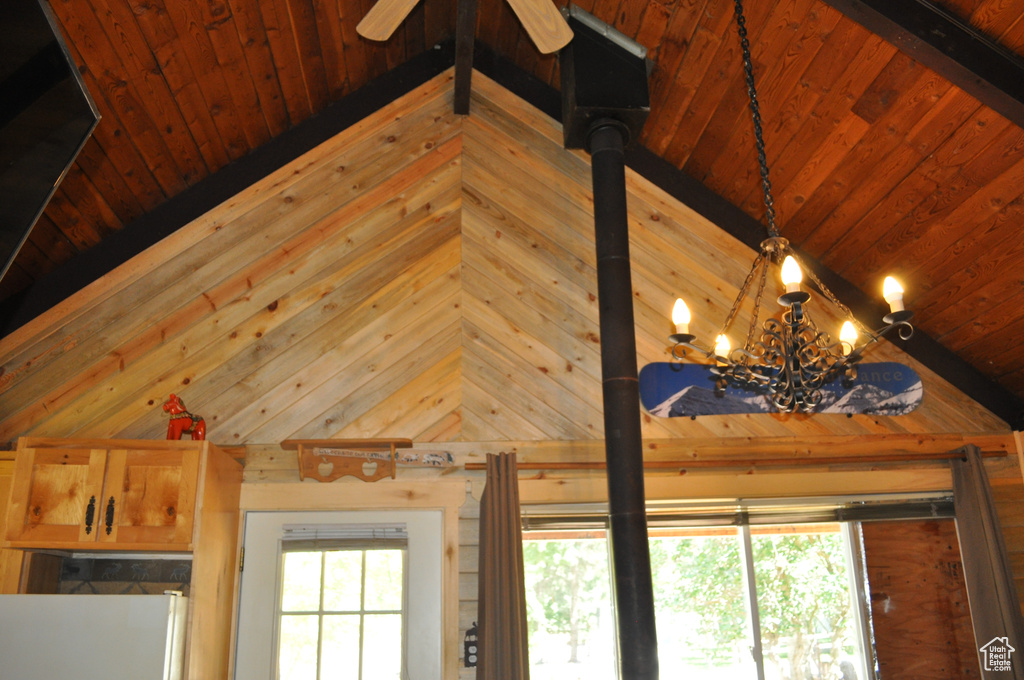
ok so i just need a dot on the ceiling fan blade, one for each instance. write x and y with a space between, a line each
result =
544 24
384 18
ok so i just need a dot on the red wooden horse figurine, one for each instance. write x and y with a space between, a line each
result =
182 422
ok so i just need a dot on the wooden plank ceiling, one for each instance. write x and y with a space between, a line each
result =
879 164
420 275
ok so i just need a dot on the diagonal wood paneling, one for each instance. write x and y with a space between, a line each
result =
293 291
420 275
881 163
528 248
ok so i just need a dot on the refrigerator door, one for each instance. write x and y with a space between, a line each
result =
92 637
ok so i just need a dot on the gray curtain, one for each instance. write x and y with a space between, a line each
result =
991 592
502 632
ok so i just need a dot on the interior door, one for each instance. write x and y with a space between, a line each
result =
149 498
259 591
55 497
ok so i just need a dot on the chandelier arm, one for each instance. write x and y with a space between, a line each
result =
688 342
903 328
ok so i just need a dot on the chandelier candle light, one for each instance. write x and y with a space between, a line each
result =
792 359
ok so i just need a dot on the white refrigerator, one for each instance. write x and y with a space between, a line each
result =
92 637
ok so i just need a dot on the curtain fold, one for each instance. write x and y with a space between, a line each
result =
502 632
991 592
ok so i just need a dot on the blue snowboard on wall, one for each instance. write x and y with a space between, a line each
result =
674 390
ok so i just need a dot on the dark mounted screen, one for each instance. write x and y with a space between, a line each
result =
46 115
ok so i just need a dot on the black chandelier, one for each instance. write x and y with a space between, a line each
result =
792 360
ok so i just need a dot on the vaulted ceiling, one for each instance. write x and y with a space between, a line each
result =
420 274
885 157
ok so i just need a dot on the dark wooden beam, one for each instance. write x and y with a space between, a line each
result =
946 44
465 37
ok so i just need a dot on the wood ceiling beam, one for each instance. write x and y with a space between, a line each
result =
949 46
465 37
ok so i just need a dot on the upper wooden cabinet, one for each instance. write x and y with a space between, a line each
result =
134 496
108 494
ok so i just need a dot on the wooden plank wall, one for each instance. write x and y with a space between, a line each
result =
920 614
290 330
420 275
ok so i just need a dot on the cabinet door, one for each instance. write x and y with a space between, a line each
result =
148 499
56 494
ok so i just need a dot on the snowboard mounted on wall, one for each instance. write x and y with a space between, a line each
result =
676 390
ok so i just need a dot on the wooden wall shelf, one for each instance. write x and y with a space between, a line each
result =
329 459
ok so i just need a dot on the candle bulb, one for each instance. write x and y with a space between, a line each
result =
848 337
681 317
791 274
892 291
722 348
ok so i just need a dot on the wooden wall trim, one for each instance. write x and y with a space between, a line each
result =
594 489
705 448
357 494
1019 442
270 464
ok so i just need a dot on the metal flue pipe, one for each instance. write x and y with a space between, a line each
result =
631 560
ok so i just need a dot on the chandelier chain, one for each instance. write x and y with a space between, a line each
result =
791 361
755 112
758 262
757 305
834 300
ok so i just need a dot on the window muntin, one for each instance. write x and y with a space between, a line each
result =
259 589
342 613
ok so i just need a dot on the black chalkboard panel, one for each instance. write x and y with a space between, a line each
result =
46 115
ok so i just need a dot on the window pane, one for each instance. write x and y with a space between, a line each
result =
803 592
300 591
382 638
297 653
700 607
342 580
339 659
383 580
702 604
572 632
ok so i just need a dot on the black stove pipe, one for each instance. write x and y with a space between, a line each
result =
631 559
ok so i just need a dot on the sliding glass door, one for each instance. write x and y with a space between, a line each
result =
776 602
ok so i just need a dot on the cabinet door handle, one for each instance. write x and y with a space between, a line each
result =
90 514
110 515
